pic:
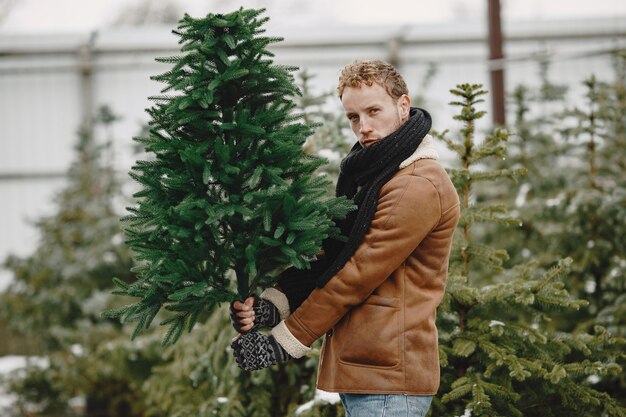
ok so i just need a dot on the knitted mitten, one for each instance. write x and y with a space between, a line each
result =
266 315
254 351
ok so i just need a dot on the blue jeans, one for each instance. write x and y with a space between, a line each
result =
385 405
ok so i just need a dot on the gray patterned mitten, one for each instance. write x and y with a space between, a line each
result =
266 315
254 351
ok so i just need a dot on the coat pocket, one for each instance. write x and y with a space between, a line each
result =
371 333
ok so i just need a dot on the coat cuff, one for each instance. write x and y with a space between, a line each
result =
279 300
288 341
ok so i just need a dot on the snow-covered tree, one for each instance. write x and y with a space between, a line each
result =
499 355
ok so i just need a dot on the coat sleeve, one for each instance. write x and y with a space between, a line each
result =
408 209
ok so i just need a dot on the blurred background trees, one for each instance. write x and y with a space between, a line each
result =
505 349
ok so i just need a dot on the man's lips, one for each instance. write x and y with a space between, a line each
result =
368 141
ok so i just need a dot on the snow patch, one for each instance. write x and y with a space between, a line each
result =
520 200
78 403
77 349
320 398
6 277
553 202
109 257
117 239
11 363
593 379
493 323
6 400
467 413
222 400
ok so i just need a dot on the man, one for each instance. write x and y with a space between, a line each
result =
375 296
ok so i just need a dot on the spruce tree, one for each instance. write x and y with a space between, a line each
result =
572 200
80 249
498 354
59 290
229 187
534 147
592 215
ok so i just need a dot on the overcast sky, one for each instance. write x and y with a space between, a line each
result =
37 16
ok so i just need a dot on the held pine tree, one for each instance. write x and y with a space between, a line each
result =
497 352
229 187
219 388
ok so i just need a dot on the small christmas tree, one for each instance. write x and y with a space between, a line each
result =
218 387
229 187
498 354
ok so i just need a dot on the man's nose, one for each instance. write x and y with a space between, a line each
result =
364 126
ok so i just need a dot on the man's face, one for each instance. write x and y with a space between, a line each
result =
373 113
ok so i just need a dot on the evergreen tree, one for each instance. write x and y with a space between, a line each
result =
614 114
535 147
498 353
80 248
572 200
102 378
612 311
592 215
59 291
216 387
229 187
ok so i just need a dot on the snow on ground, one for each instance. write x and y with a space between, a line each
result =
320 397
9 364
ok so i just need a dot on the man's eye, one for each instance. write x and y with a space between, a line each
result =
374 111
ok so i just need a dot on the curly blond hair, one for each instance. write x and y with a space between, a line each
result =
370 72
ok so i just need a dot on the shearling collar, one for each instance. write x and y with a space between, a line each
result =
425 150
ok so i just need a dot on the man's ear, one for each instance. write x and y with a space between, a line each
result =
404 106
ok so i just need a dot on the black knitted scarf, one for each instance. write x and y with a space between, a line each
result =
363 172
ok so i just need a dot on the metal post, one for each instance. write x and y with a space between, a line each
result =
393 46
85 54
495 55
